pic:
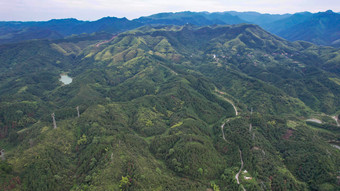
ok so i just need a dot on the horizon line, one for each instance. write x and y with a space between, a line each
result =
69 18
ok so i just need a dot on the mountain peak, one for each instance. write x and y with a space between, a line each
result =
66 20
329 12
108 18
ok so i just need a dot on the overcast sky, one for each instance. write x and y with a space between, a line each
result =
37 10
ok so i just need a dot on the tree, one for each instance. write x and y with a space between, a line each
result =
125 182
215 186
200 171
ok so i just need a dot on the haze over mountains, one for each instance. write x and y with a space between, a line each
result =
319 28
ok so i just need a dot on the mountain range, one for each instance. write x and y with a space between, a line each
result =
168 107
319 28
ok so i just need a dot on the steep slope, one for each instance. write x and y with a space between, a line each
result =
151 105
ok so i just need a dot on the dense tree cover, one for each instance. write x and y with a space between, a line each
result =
152 102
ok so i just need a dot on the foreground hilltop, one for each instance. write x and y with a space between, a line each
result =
170 108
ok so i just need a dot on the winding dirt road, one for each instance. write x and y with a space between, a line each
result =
336 146
228 100
336 120
238 174
222 127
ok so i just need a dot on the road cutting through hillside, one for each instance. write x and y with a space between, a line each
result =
336 120
315 120
238 174
222 128
228 100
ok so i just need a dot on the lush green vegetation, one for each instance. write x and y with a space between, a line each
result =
151 105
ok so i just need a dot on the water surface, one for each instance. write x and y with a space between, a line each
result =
65 79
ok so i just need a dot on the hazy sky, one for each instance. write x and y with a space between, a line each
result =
95 9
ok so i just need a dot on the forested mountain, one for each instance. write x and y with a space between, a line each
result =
319 28
59 28
259 18
194 18
288 22
170 108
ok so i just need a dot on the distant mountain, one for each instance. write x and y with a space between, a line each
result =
288 22
29 33
60 28
106 24
195 18
258 18
225 17
321 28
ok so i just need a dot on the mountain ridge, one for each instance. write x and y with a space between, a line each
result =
285 25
